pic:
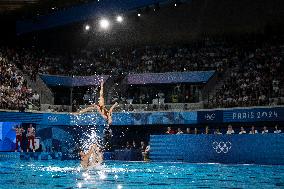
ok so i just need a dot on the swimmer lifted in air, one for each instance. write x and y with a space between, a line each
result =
106 114
92 157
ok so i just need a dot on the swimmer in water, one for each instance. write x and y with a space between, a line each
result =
92 157
106 114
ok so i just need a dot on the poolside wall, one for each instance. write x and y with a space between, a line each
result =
61 130
245 149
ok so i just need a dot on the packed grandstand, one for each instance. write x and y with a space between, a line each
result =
247 75
220 62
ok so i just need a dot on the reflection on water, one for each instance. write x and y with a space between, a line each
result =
68 174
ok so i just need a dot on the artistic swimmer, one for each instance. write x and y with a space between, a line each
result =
92 157
106 114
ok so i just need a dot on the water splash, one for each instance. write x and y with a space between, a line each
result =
92 134
90 137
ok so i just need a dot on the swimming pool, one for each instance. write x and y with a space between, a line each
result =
119 175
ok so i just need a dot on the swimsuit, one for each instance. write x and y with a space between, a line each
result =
104 111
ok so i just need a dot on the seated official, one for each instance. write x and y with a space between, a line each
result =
265 130
145 154
134 146
277 131
187 131
243 131
253 131
217 132
136 150
128 146
179 131
230 130
206 130
142 146
170 131
195 131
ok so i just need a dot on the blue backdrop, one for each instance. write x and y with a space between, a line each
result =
259 149
67 81
7 136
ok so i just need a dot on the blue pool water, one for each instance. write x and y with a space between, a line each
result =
122 175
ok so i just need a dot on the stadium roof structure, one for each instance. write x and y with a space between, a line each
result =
13 5
83 12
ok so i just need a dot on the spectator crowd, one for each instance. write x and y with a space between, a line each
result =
250 76
256 81
154 59
14 92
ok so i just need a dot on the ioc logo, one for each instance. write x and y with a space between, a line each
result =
210 117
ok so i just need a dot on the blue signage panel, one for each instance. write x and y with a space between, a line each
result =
88 80
256 149
86 119
23 117
170 77
55 80
215 116
253 115
55 119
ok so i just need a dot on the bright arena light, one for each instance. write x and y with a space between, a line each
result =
139 14
87 27
104 23
119 19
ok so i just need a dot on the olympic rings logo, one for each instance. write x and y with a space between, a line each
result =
220 147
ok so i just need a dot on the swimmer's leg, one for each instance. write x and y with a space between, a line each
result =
111 109
110 113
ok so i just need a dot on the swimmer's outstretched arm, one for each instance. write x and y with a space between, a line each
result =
90 108
109 118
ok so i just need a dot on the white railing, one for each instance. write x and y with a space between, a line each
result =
55 108
135 107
